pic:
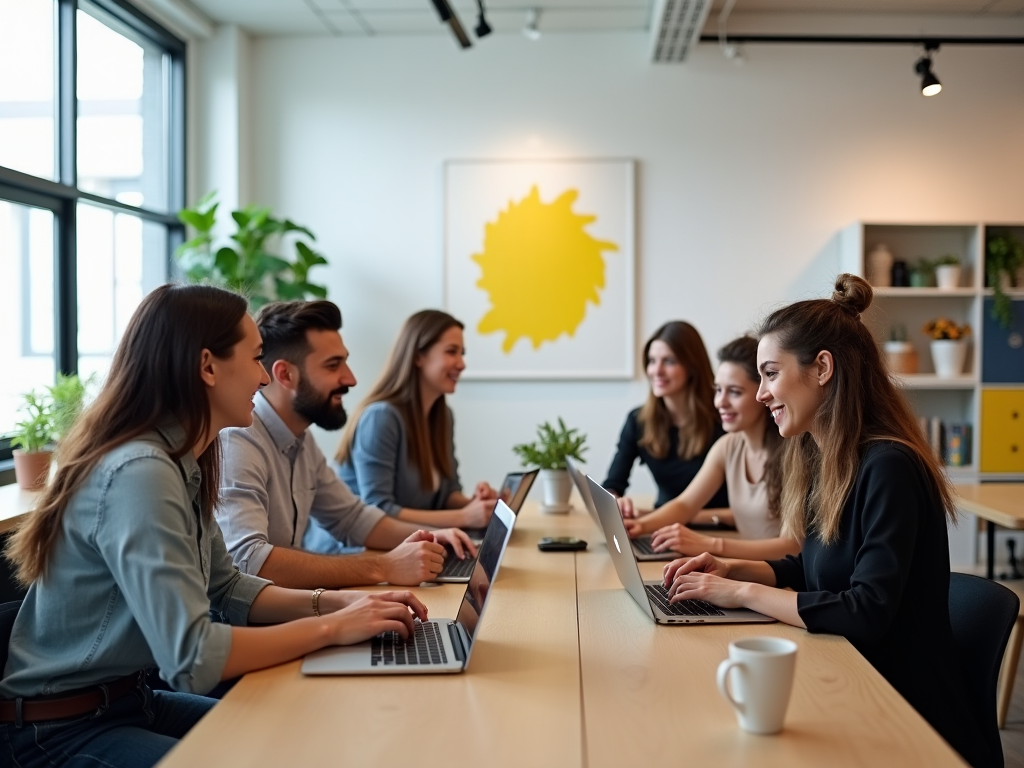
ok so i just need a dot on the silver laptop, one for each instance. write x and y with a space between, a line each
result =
651 596
438 646
642 547
514 491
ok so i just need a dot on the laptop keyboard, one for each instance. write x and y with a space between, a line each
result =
643 544
424 646
659 596
455 568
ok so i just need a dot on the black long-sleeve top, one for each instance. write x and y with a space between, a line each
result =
671 473
884 586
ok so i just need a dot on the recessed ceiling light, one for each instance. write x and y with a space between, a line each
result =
530 30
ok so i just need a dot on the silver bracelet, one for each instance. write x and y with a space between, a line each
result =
316 601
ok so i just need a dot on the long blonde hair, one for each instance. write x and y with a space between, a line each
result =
699 402
861 405
154 379
428 436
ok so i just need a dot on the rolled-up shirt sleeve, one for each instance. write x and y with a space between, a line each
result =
243 511
343 514
231 592
146 531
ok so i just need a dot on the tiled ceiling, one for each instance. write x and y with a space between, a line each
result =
417 17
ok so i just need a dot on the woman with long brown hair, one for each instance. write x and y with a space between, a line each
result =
124 562
873 502
747 458
398 450
675 428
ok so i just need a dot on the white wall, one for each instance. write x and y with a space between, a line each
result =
745 176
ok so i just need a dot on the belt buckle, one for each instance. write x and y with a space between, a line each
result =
106 700
18 721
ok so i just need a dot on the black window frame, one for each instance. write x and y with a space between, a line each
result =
63 195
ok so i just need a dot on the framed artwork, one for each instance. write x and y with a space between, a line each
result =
539 266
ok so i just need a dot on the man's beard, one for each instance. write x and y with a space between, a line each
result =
316 408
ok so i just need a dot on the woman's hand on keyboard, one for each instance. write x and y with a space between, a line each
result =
685 541
457 540
373 614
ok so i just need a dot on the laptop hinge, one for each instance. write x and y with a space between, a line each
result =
457 646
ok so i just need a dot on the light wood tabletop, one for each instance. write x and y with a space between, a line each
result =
1000 503
14 504
566 672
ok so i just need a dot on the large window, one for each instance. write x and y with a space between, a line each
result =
91 171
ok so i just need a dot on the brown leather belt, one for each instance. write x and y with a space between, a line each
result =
69 704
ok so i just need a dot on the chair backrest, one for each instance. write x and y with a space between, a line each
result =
8 612
982 613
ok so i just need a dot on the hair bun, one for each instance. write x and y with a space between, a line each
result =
852 293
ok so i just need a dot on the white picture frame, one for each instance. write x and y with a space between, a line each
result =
539 265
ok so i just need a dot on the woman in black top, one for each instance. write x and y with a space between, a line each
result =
864 486
674 430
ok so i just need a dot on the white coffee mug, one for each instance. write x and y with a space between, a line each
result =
761 678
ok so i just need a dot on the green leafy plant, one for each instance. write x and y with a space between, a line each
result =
947 260
552 447
34 432
1005 255
247 265
67 397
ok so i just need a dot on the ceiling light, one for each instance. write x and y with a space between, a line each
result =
930 84
447 15
530 31
482 27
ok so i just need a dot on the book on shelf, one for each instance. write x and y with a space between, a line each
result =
950 441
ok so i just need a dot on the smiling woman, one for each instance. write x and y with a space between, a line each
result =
398 451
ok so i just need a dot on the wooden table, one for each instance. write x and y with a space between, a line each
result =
996 504
567 672
14 504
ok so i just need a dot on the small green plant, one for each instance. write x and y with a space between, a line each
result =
947 260
552 447
1005 255
34 432
67 397
247 266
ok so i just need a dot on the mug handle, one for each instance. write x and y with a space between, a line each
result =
723 681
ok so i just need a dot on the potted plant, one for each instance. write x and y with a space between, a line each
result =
32 440
948 345
67 398
947 272
247 265
1004 261
922 274
549 452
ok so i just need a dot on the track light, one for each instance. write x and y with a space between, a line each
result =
930 84
530 30
482 27
447 15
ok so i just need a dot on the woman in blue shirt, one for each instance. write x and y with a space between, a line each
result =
124 563
398 450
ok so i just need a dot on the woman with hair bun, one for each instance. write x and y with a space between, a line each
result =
874 502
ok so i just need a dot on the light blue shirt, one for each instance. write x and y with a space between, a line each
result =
274 484
131 582
380 471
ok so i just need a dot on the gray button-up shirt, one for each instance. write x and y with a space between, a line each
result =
131 582
272 482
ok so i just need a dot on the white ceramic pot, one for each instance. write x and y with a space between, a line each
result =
947 276
949 357
557 487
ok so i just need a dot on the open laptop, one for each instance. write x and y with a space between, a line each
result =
513 492
651 596
438 646
641 545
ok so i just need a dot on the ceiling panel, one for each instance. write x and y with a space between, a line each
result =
909 7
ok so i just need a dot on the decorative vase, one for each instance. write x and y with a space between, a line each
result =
949 356
900 357
947 276
879 266
557 487
31 469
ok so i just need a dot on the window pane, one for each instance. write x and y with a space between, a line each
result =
122 136
121 258
26 296
27 86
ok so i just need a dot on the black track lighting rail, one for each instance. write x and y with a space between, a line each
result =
930 42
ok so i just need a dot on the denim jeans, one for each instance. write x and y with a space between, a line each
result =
134 732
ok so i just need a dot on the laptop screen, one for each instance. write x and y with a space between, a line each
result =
483 574
515 488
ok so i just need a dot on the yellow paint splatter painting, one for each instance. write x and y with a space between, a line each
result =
540 269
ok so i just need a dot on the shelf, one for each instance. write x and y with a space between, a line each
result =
931 381
1013 293
924 293
962 474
